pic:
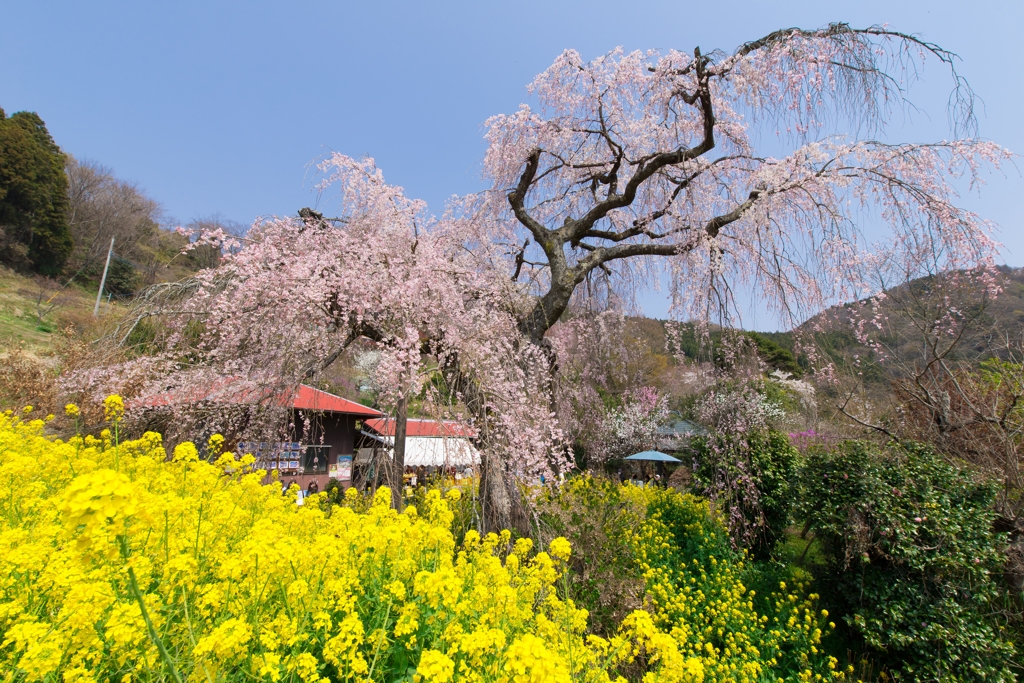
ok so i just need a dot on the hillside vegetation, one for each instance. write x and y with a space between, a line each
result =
33 312
994 320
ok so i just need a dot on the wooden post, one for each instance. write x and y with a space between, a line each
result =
103 280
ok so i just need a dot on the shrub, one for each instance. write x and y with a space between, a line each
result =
912 558
599 518
119 565
123 279
747 476
698 588
333 495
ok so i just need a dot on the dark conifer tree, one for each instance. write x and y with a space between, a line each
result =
33 196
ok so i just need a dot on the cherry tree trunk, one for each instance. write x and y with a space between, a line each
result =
397 469
501 503
496 503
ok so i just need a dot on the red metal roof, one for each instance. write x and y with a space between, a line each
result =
228 391
385 426
308 398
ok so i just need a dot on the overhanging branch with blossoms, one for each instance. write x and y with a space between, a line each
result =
618 165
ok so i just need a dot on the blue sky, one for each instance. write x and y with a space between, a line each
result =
217 107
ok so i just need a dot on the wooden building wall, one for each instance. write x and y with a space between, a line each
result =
338 431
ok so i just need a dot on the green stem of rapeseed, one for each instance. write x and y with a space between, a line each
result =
383 634
153 635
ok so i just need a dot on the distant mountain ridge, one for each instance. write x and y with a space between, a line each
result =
1002 317
995 320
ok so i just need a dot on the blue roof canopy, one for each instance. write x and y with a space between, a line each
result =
682 428
653 456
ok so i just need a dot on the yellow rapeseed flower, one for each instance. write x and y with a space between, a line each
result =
434 667
99 501
226 642
186 452
242 584
214 444
560 548
113 408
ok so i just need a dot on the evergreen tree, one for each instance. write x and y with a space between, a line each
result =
34 230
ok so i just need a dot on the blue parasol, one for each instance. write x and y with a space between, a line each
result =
653 456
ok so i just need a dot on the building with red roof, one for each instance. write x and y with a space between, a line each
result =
324 428
385 426
428 443
308 398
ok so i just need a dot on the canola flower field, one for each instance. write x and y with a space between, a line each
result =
119 562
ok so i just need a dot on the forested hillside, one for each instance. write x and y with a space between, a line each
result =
59 214
993 320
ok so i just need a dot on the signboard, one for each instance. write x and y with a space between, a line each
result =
343 468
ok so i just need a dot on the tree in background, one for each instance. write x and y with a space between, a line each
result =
208 255
34 230
101 207
633 426
634 166
604 397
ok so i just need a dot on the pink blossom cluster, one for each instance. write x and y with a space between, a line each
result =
788 228
278 311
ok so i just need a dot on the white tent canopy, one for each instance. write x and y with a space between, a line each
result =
435 451
439 452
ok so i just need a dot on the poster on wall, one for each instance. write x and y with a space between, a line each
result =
344 467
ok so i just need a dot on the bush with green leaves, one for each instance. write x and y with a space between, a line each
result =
669 553
123 278
912 559
598 520
747 477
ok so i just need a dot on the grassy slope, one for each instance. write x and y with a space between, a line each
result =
20 325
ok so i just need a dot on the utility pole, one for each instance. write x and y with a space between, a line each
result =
103 280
